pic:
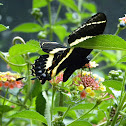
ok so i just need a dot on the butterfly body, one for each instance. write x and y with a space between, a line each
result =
69 59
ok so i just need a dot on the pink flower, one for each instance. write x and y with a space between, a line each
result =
57 79
8 80
83 94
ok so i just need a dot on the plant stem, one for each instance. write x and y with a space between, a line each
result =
118 31
122 100
1 114
19 65
52 106
64 115
50 20
40 22
18 38
85 113
79 5
58 11
0 119
123 85
12 101
61 101
96 55
118 109
47 108
5 96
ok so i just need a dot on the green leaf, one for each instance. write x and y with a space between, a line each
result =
40 104
17 60
123 113
123 59
3 28
90 7
109 55
83 106
104 42
79 123
28 28
70 113
61 109
39 3
29 115
19 49
85 15
36 88
60 31
5 108
32 59
113 84
1 4
70 4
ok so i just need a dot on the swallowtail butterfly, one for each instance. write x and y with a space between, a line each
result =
60 57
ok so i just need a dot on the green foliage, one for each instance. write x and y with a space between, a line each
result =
104 42
80 123
3 28
17 60
70 4
123 59
83 106
31 46
28 28
36 89
62 34
40 3
5 108
29 115
113 84
40 104
90 7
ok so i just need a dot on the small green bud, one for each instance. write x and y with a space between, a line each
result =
120 78
115 78
42 34
120 72
36 13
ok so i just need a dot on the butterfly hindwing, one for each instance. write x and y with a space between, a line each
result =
43 66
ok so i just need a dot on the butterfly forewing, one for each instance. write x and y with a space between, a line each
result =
94 26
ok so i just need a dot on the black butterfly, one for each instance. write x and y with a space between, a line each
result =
60 57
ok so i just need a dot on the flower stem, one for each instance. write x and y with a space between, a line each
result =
5 96
52 106
18 38
84 113
118 109
19 65
58 11
61 101
40 22
118 31
96 55
0 119
12 101
122 100
50 20
64 115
